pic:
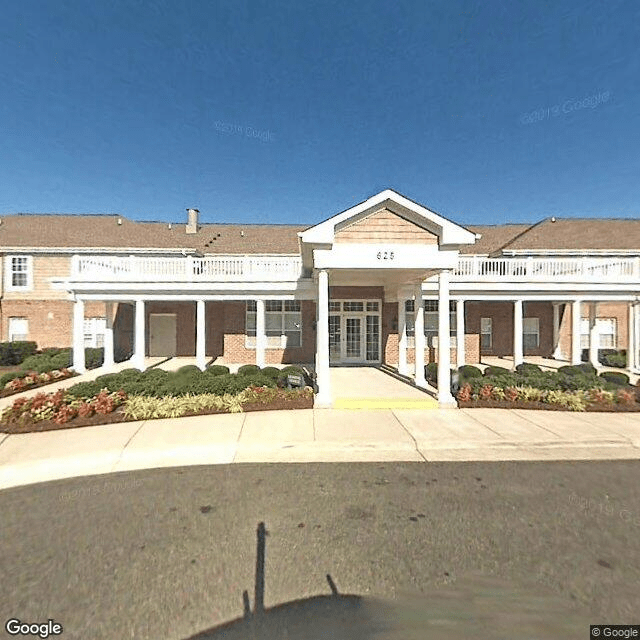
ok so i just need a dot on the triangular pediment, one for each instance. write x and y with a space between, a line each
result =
392 214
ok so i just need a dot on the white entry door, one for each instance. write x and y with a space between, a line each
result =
162 334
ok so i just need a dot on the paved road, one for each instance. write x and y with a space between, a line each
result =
167 553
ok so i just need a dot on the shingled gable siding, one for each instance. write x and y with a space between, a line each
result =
385 226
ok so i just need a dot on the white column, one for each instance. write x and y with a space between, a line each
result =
575 332
420 379
261 335
201 333
631 337
556 330
636 334
78 336
108 335
444 342
460 346
139 336
518 351
594 336
323 398
403 369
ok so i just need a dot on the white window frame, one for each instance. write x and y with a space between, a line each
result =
9 272
527 324
274 341
13 335
486 333
602 323
94 329
430 321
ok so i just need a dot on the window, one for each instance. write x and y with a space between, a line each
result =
283 324
19 272
531 333
606 329
18 329
485 333
430 321
94 329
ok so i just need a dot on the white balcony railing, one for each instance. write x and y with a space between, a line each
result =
472 268
188 269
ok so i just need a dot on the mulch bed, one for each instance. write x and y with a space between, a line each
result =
5 393
118 416
543 406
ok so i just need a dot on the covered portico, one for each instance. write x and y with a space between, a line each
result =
391 242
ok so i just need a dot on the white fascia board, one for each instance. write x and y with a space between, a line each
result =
189 288
452 233
207 297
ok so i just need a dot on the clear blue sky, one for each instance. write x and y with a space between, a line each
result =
292 111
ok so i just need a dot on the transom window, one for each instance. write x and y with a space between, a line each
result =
18 272
283 323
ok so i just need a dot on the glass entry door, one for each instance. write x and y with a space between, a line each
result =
354 331
353 351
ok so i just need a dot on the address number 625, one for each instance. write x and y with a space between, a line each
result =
385 255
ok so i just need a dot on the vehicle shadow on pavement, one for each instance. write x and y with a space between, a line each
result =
483 609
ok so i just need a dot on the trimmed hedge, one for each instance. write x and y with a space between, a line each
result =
16 352
615 377
248 369
271 372
528 367
496 371
217 370
578 369
615 360
51 359
431 371
159 383
467 371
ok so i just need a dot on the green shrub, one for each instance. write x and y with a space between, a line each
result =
248 369
431 371
189 369
467 371
217 370
271 372
93 358
85 389
577 369
621 379
495 371
5 378
615 360
528 368
15 352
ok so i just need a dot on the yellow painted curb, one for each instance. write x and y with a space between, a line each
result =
384 403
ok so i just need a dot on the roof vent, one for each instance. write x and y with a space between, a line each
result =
553 219
242 233
192 221
119 220
169 226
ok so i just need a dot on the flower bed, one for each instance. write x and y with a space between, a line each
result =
32 380
45 412
622 399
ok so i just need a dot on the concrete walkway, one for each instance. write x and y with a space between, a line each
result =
319 435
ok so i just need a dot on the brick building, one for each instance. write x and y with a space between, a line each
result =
386 281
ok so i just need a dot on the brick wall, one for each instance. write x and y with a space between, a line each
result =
50 321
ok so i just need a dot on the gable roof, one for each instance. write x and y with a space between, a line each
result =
449 232
104 232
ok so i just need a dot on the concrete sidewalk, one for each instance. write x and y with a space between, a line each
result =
319 435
